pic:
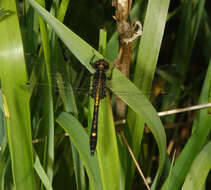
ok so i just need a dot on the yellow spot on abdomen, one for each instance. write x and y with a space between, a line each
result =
93 134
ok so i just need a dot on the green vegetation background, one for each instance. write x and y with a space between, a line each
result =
44 125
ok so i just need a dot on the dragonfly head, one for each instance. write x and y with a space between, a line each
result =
101 64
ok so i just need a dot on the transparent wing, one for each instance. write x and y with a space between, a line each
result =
85 89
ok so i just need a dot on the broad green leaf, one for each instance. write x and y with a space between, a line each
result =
12 75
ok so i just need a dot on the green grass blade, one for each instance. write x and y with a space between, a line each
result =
81 141
139 104
190 20
48 113
70 107
204 97
108 157
150 43
147 57
112 47
188 154
62 9
79 169
77 46
107 153
199 170
13 74
41 173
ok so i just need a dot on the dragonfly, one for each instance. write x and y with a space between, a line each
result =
98 92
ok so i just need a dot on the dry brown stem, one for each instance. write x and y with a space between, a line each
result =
125 31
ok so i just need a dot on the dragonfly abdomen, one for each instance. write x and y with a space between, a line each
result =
98 92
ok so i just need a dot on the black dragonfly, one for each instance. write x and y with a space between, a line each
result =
98 92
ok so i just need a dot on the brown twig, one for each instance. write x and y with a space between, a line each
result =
127 35
38 140
134 159
170 146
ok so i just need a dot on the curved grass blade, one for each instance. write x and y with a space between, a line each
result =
199 170
188 154
82 50
196 124
147 57
80 139
13 74
147 112
69 103
41 173
184 158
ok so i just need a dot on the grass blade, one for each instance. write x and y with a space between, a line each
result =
77 46
188 29
199 170
188 154
147 57
13 74
139 104
107 153
48 119
193 146
41 173
81 141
